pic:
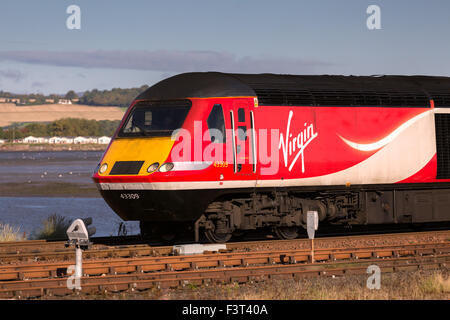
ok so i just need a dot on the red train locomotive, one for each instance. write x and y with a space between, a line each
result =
224 153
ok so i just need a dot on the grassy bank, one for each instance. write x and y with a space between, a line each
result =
429 285
9 233
53 228
423 285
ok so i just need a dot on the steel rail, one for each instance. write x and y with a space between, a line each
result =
114 266
38 245
142 281
60 253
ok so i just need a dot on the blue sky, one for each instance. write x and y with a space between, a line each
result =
131 43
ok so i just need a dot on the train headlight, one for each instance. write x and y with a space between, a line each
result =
166 167
153 167
103 168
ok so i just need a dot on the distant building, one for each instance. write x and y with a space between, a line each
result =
92 140
2 141
50 100
14 100
64 101
54 140
80 140
3 100
61 140
31 139
31 100
75 100
104 140
66 140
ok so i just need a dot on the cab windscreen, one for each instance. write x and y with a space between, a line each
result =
155 118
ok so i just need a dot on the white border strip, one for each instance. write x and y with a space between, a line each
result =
191 165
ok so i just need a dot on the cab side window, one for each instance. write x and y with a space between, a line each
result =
242 129
216 124
241 115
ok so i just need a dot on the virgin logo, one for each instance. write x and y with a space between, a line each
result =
294 146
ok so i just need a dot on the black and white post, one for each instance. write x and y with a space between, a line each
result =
78 234
312 224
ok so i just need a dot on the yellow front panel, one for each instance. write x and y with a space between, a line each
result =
149 150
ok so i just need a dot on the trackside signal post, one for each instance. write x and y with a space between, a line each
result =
78 234
312 224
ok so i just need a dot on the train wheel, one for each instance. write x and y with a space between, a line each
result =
168 236
214 237
146 229
287 233
160 231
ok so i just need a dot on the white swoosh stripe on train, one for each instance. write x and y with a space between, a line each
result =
191 165
389 138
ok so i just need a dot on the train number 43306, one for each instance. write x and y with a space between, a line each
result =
129 196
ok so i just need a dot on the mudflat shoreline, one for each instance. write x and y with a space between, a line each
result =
48 173
49 189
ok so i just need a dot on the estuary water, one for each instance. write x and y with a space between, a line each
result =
28 213
57 166
26 209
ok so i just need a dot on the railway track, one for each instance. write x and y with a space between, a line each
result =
134 272
41 250
138 279
212 260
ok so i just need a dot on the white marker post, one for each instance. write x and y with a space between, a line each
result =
312 224
78 262
78 234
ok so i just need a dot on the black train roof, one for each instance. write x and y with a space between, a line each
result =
319 90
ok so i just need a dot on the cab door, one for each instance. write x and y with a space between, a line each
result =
243 135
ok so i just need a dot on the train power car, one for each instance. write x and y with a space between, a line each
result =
220 153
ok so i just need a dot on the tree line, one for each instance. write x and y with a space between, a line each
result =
69 127
114 97
25 98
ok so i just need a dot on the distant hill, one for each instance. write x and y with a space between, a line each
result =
114 97
10 113
63 127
